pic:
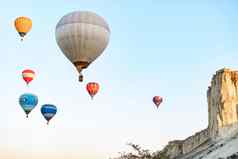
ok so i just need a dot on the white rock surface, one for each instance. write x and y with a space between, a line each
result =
220 139
222 149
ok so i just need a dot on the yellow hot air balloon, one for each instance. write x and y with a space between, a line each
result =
23 25
82 36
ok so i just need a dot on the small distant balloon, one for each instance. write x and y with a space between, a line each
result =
28 102
28 75
92 88
48 111
23 25
157 100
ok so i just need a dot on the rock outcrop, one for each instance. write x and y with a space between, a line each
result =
222 97
173 149
222 101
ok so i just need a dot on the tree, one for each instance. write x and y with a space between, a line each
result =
139 153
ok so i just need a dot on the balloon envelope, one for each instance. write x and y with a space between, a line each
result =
92 88
48 111
82 36
23 25
28 102
157 100
28 75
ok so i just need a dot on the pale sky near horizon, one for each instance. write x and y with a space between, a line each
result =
166 48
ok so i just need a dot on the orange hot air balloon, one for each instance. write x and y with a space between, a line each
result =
92 88
23 25
157 100
28 75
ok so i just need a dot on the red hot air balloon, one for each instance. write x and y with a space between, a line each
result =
157 100
28 75
92 88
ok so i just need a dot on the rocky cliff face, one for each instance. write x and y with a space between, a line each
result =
222 97
195 141
222 101
173 149
178 148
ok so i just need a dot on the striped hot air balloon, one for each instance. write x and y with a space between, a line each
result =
48 111
28 75
92 88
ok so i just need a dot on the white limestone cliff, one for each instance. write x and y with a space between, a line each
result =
222 97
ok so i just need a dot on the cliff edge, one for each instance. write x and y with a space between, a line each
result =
220 139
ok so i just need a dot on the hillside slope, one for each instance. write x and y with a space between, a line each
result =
223 149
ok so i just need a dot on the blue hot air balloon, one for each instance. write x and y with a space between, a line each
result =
28 102
48 111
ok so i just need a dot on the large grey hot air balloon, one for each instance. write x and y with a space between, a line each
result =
82 36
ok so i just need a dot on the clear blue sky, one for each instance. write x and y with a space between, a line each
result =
166 48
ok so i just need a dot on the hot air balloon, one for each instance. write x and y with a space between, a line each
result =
82 36
48 111
28 102
28 75
92 88
23 25
157 100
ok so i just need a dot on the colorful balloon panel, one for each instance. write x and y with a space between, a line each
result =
48 111
28 102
